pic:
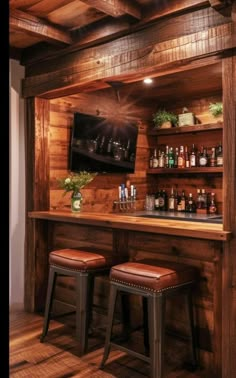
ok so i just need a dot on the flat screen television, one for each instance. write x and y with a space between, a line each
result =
101 145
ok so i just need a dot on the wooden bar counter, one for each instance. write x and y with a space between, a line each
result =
128 237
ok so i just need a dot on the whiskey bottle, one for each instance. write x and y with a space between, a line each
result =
183 201
156 200
190 207
213 157
212 207
187 160
193 157
171 200
155 160
203 158
181 160
219 155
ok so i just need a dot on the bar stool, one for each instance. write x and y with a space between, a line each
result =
84 266
154 281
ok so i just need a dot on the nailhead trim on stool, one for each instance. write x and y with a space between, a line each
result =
84 265
154 281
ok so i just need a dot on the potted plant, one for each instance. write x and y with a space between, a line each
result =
164 119
73 183
216 109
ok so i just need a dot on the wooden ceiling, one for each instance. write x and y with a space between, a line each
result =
42 28
39 25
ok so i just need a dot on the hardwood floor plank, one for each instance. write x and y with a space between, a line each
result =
58 357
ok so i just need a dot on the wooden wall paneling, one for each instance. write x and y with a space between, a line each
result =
229 199
100 194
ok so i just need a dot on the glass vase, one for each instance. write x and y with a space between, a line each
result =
76 202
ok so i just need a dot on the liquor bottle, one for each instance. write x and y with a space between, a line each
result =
203 158
171 158
176 157
167 157
204 199
183 201
186 154
176 200
161 159
212 206
193 157
219 155
156 201
164 194
213 157
199 199
161 201
190 207
171 200
181 160
155 160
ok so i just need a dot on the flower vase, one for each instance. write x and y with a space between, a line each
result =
76 202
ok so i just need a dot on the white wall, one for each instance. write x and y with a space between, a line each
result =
17 186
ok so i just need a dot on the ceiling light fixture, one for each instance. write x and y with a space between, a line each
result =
148 80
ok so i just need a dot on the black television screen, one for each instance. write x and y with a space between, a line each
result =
101 145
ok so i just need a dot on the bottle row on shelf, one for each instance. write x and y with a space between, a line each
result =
202 203
185 157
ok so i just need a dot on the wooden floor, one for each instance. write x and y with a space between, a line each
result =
57 356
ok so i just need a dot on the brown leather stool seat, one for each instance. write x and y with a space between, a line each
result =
84 265
154 281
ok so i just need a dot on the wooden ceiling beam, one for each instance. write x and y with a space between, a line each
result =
166 8
219 4
112 28
35 26
90 73
116 8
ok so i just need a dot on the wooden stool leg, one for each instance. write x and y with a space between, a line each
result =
111 309
156 316
193 344
49 300
83 301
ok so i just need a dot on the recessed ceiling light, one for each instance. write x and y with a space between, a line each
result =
148 80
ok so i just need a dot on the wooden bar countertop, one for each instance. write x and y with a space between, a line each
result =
129 222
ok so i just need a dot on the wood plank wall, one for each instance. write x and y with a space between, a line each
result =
100 194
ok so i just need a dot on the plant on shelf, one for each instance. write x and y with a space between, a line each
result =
73 183
216 109
164 119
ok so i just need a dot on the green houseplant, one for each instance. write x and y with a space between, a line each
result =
216 109
164 119
73 183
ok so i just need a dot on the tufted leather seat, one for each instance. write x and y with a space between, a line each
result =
153 275
84 265
77 259
154 281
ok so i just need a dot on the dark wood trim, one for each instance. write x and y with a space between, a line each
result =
229 200
37 186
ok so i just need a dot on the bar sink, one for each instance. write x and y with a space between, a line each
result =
193 217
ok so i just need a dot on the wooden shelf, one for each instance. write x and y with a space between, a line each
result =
179 171
187 129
